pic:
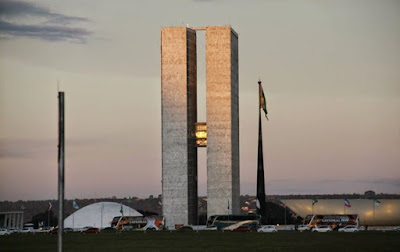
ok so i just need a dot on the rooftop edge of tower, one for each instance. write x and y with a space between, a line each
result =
200 28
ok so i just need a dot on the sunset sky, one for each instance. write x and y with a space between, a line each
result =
330 72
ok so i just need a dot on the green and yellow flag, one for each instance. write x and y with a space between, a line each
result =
263 103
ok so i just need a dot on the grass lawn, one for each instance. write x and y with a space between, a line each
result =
205 241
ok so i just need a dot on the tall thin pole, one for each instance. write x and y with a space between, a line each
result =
61 162
373 211
312 208
285 213
101 222
48 218
260 163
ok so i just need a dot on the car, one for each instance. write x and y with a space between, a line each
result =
108 229
322 229
4 231
349 229
303 228
26 230
185 228
267 229
53 231
396 229
14 230
44 230
92 230
242 229
68 230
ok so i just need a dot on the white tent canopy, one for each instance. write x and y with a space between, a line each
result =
98 215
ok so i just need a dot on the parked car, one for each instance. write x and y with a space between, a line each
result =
14 230
53 231
26 230
92 230
4 231
349 229
108 229
185 228
396 229
44 230
242 229
303 228
267 229
322 228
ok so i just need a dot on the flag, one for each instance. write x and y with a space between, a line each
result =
50 206
377 202
75 205
121 211
263 102
347 203
314 201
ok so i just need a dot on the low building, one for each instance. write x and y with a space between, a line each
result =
372 212
98 215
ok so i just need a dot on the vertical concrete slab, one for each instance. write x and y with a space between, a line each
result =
179 114
223 185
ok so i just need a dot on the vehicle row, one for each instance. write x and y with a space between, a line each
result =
243 228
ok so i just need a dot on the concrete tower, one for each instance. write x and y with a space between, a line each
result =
179 116
222 76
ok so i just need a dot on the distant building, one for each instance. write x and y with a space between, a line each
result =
383 212
220 134
369 194
12 219
98 215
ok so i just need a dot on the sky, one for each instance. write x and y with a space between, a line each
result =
330 72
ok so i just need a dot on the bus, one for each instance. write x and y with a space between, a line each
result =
336 221
224 221
137 223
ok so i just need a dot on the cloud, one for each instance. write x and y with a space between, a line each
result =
49 25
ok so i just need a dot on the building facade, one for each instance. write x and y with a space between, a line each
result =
179 117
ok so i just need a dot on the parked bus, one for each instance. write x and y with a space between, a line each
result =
223 221
137 223
336 221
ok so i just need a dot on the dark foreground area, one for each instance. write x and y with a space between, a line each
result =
206 241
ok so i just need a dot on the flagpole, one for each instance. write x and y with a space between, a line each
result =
101 221
285 213
260 161
373 211
48 217
312 207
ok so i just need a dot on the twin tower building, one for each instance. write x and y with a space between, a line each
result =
182 134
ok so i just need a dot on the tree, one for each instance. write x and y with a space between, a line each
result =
44 218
